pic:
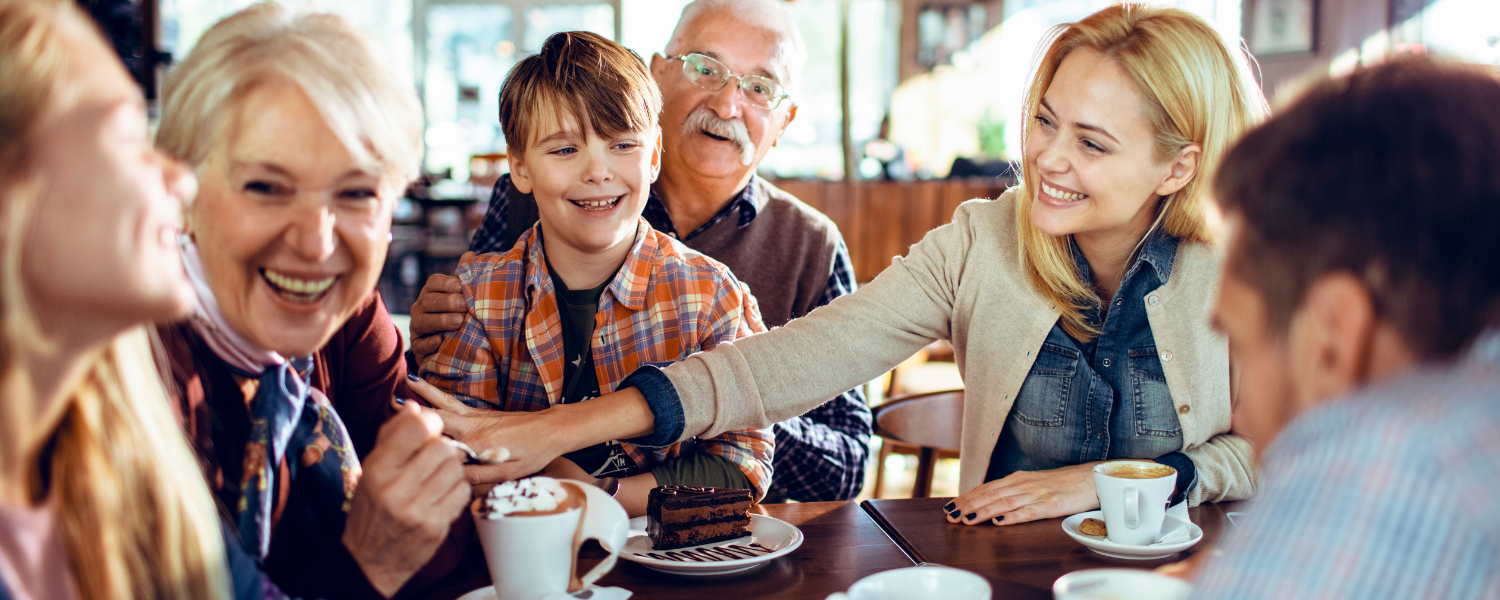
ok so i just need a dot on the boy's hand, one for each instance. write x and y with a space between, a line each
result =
439 309
562 468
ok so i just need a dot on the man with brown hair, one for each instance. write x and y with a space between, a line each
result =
1361 301
725 85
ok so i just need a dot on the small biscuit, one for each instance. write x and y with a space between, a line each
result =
1093 527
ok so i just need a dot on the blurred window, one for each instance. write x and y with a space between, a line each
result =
813 146
469 48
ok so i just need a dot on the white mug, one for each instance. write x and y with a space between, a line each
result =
918 582
1119 584
532 556
1133 508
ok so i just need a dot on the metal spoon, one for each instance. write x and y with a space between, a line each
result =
475 458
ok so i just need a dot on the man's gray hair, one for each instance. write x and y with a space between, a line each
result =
767 14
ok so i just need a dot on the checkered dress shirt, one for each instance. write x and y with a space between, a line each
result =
666 303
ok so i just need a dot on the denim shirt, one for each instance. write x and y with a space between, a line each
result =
1102 399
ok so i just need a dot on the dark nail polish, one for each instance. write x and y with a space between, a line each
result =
949 506
954 514
999 519
970 516
399 400
411 376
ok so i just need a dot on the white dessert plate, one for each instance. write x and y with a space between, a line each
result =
1102 545
769 538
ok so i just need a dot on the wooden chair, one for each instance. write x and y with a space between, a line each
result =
932 422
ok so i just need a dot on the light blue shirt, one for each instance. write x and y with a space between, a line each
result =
1393 492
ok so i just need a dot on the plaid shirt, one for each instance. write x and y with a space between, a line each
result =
666 303
1391 492
821 455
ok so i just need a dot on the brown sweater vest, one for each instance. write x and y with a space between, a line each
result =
785 254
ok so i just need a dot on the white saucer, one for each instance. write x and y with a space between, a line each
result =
773 536
1103 546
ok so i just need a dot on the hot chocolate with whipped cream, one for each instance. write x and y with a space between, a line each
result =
530 497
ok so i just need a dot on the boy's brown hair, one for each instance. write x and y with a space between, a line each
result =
578 74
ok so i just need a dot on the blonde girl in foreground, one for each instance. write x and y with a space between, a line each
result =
93 469
1078 303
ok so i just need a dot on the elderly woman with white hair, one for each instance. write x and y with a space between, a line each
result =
302 140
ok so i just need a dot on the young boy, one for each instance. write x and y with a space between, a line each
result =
592 291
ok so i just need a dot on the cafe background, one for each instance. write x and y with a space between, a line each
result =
906 107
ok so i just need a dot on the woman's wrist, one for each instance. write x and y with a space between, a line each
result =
619 415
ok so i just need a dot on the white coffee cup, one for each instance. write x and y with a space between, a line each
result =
918 582
1134 505
530 557
1119 584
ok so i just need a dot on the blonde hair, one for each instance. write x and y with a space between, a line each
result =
369 108
1196 90
133 508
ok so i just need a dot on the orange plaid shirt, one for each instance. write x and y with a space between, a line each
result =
666 303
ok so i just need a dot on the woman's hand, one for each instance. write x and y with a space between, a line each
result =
524 435
411 491
1028 496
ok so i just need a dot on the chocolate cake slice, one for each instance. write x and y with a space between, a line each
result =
678 516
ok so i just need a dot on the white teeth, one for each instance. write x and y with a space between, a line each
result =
1061 195
597 204
298 286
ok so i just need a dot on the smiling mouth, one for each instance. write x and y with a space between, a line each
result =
1061 195
301 291
717 137
604 204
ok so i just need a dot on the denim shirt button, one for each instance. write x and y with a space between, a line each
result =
1106 362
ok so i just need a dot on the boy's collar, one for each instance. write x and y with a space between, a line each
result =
630 282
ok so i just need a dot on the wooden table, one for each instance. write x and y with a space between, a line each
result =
1030 554
842 545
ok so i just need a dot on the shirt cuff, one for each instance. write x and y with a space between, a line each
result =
661 396
1187 475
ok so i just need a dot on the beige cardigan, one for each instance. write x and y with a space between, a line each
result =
965 282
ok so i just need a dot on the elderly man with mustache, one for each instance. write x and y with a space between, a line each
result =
724 82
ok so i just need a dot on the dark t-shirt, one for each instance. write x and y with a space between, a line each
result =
576 310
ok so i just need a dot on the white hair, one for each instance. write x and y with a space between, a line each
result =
766 14
373 111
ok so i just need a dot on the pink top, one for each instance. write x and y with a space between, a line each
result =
33 559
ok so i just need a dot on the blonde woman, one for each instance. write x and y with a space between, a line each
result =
1078 303
302 140
100 498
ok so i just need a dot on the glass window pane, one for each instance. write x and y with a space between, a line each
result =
543 21
469 50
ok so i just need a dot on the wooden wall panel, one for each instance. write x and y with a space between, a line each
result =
881 220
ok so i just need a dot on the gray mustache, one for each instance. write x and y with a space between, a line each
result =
703 119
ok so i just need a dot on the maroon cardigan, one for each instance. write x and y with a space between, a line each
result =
360 370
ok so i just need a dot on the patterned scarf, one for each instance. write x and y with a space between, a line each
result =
287 412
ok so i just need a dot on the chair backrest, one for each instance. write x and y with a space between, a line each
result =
931 420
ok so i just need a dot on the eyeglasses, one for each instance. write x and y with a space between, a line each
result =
711 74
